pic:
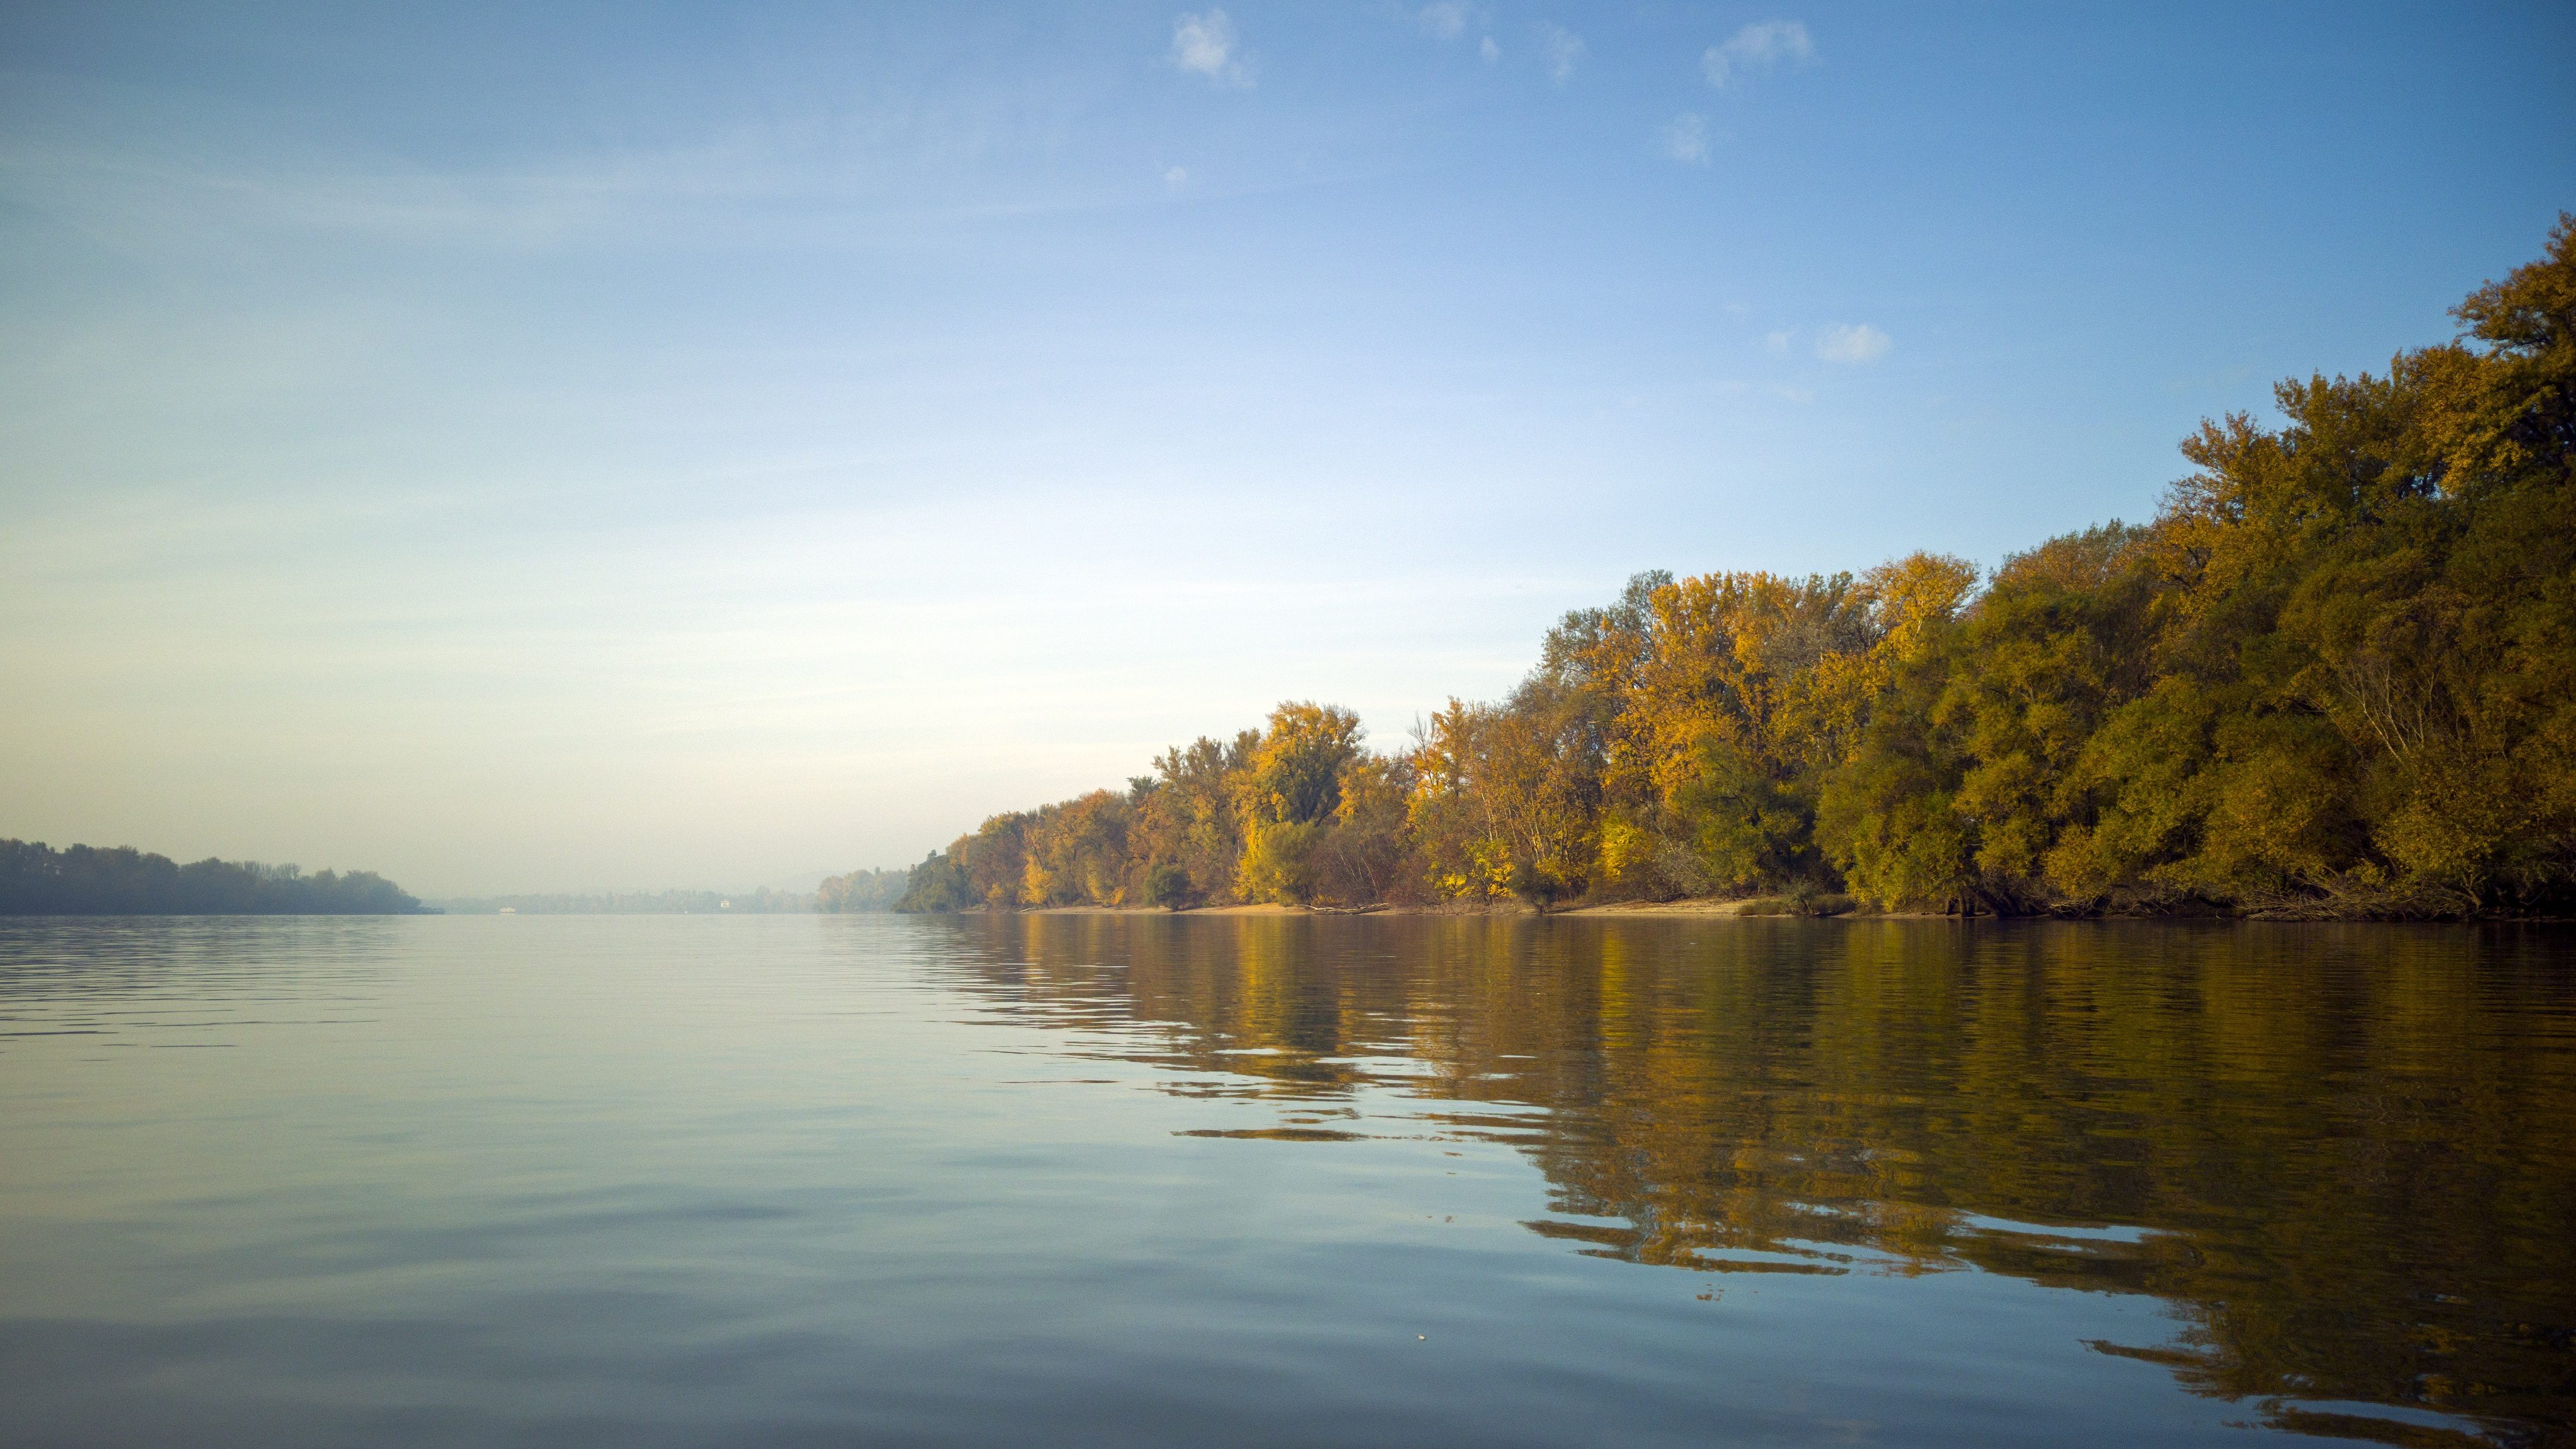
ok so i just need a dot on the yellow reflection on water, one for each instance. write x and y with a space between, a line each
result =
2343 1158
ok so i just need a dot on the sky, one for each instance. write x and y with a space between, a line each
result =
531 448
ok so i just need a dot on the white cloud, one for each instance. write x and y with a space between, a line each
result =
1686 139
1853 342
1176 178
1778 342
1757 47
1205 44
1446 20
1563 48
1490 51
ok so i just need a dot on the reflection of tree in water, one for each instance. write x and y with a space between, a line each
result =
2345 1158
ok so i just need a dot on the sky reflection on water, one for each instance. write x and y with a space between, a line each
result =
1119 1179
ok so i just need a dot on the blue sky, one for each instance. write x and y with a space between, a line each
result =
537 447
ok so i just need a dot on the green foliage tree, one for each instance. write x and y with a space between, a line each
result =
1288 796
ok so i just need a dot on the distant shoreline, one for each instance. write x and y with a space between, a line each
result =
85 880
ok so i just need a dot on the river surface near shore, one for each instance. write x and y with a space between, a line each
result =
1128 1179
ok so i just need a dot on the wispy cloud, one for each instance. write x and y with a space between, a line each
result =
796 183
1176 178
1562 49
1490 51
1446 20
1206 45
1686 139
190 200
1756 47
1853 342
1778 342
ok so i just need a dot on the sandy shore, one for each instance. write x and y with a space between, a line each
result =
1702 907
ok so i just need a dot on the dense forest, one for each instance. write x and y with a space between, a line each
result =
36 880
2334 676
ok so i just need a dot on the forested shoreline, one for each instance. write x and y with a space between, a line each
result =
2334 676
82 880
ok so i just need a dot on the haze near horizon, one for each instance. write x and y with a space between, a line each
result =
532 451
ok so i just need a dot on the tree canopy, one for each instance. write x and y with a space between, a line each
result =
2335 675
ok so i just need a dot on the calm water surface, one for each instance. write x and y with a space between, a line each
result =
1131 1180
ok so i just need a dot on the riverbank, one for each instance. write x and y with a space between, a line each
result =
1702 908
1710 906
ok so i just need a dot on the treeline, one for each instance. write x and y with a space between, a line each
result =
862 890
763 901
2336 675
36 880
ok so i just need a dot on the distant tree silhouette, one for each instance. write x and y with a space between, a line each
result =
37 880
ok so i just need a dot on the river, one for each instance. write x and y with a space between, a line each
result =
1201 1180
